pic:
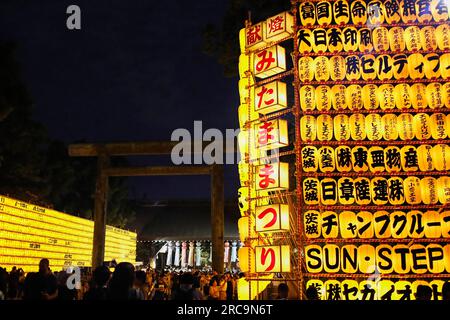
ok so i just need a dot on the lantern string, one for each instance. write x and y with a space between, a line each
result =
358 53
360 26
376 143
434 276
376 111
378 173
391 81
377 207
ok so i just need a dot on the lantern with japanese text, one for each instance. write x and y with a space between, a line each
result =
254 36
307 12
310 159
279 27
273 259
357 127
246 256
272 218
270 97
341 126
438 126
312 224
306 69
271 134
337 68
269 62
429 190
307 98
324 127
272 176
322 98
338 97
308 128
347 224
405 127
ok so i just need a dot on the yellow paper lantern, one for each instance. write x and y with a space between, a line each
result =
364 223
334 36
326 159
410 159
279 27
320 43
307 98
246 256
392 158
419 259
365 40
417 228
354 97
338 97
312 224
422 128
246 227
425 157
330 225
307 12
400 66
306 69
321 68
403 289
328 191
370 99
445 65
397 39
324 127
358 12
446 94
343 158
396 191
429 190
416 63
384 259
434 95
419 98
376 159
375 12
432 70
350 39
401 259
245 65
362 191
438 126
374 127
389 126
269 62
311 194
405 127
412 38
447 257
341 126
353 67
272 177
439 10
272 218
341 10
323 98
319 286
313 258
443 36
254 36
436 256
428 38
402 94
380 39
270 97
385 68
246 89
347 224
271 134
445 224
346 194
249 290
443 184
385 289
337 68
242 40
399 225
331 259
349 259
273 259
310 159
305 40
369 66
351 293
324 13
441 157
382 223
386 96
357 126
436 285
243 172
308 128
366 258
423 16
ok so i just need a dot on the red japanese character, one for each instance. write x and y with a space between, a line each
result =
261 94
265 174
266 60
264 254
265 213
276 24
264 133
253 35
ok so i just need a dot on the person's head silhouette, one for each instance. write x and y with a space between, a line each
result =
423 293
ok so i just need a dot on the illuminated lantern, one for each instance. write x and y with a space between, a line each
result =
306 69
249 290
337 68
366 258
384 65
392 158
242 39
338 97
341 10
346 188
400 66
319 286
396 191
324 127
362 191
410 159
326 159
243 140
416 229
385 289
422 127
323 98
312 222
443 36
405 126
446 94
429 190
441 157
357 127
272 218
432 69
311 194
246 89
354 97
365 40
310 161
428 38
418 259
279 27
246 256
343 158
368 67
380 39
374 127
432 221
447 257
434 95
364 224
313 258
243 172
367 290
403 288
245 65
273 176
307 13
246 114
383 266
402 95
445 224
334 36
425 156
307 98
444 190
330 224
349 259
401 259
358 12
341 126
419 98
438 126
376 159
254 36
386 96
399 225
270 97
243 200
270 62
389 126
370 100
353 67
308 128
445 65
379 187
423 12
319 40
392 11
412 38
273 259
331 263
323 13
350 39
436 286
328 191
352 287
439 10
416 64
271 134
321 68
375 12
305 39
246 226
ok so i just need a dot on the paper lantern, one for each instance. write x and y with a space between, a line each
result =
445 224
349 259
425 157
346 192
359 159
358 12
375 11
243 172
380 190
366 258
370 99
368 290
306 69
270 97
357 126
246 256
439 10
272 177
376 159
328 191
432 69
254 36
416 63
323 13
444 190
279 27
436 258
418 259
341 126
338 97
273 259
337 68
397 39
423 11
343 158
243 200
405 127
417 228
436 286
369 67
312 224
353 67
401 259
245 65
384 67
331 261
330 224
419 98
382 224
272 218
444 62
354 97
242 39
348 224
324 127
428 38
323 98
249 290
313 258
385 289
350 39
412 190
319 286
270 62
429 190
341 11
271 134
308 128
396 191
443 36
374 127
311 194
402 95
307 98
422 128
307 12
412 38
389 126
380 39
434 95
350 290
362 191
246 89
447 121
441 157
321 68
305 40
364 224
365 40
246 114
400 66
399 226
402 290
384 259
392 158
246 227
243 141
334 36
326 159
310 159
386 96
447 257
319 40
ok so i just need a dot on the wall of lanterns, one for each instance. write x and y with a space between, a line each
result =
29 233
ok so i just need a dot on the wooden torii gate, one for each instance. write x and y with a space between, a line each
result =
103 152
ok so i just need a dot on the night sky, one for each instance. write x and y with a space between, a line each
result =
135 71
